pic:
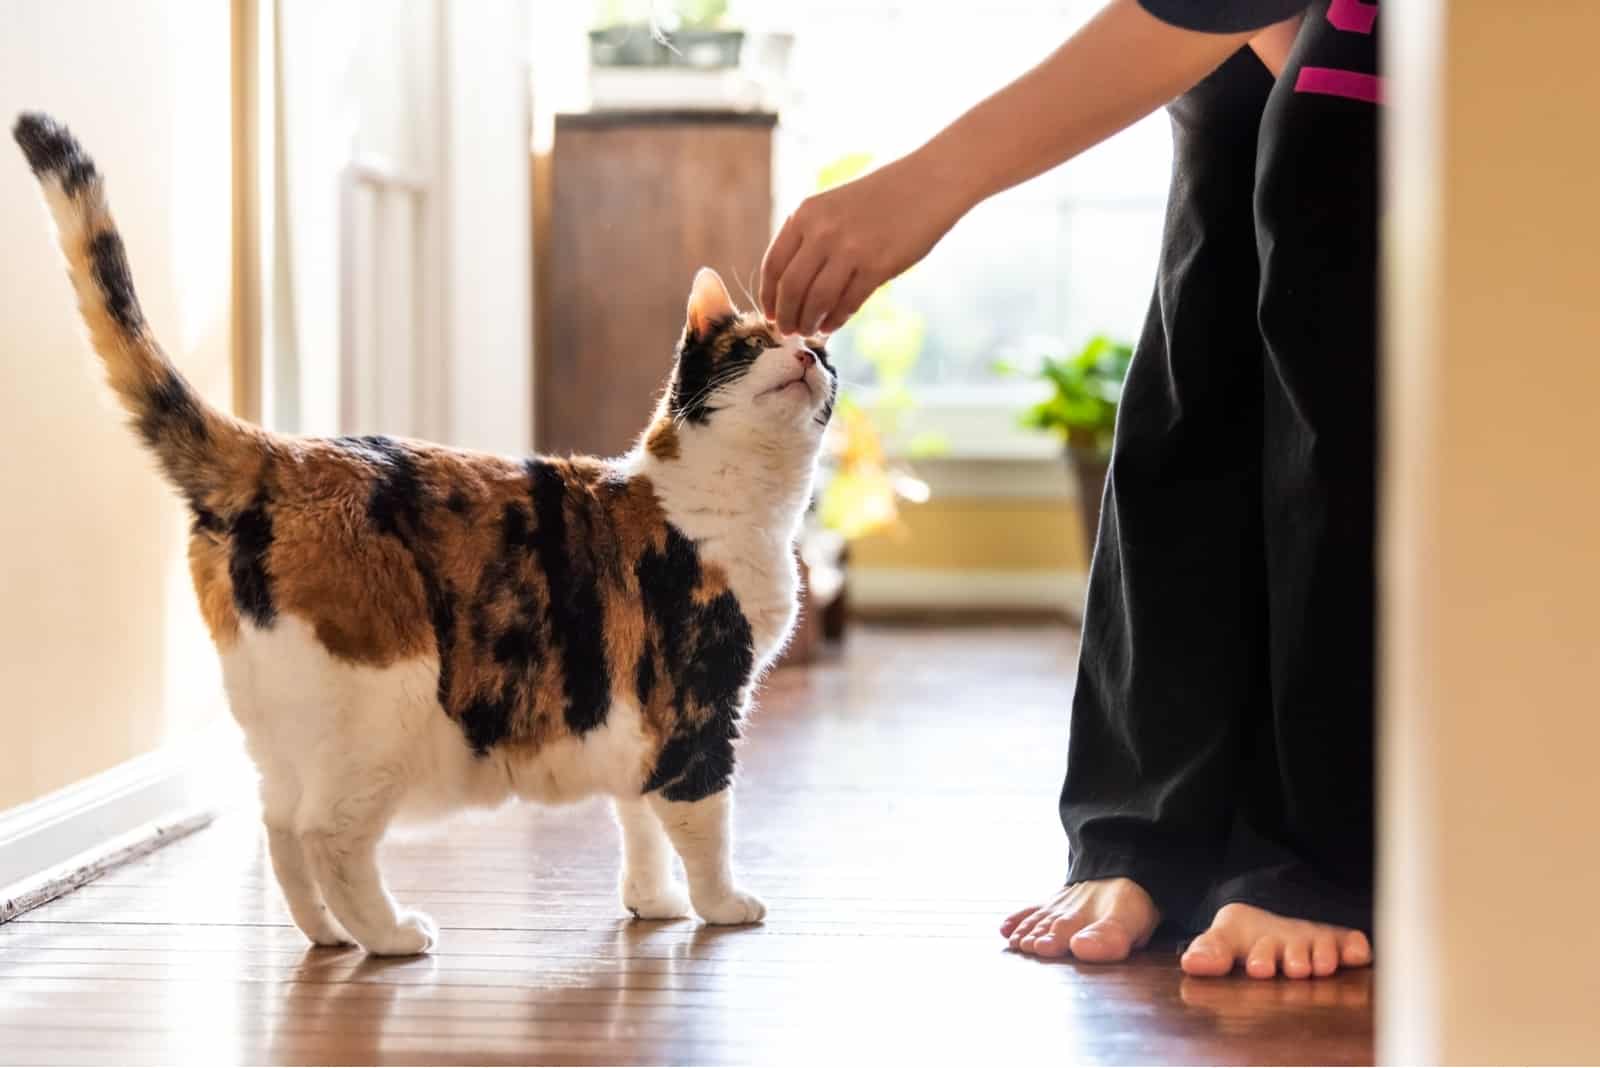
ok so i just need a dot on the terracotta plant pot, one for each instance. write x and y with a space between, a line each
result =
1089 466
836 612
803 644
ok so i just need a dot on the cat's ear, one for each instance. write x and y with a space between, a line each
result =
709 303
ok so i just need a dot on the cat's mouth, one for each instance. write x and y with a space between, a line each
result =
803 380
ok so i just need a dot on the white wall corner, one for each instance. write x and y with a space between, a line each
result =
72 836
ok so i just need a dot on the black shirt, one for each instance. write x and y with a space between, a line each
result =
1223 16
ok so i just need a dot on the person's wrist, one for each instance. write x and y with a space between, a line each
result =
952 185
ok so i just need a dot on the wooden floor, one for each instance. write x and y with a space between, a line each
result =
894 806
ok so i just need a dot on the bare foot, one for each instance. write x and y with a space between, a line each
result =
1099 921
1268 944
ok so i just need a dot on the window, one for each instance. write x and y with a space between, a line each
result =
1038 269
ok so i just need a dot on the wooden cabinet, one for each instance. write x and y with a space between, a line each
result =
636 202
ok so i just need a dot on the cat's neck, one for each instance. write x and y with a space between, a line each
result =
764 491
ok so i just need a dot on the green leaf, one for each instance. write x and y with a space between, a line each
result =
702 14
1086 389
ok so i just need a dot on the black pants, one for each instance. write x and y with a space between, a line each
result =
1221 739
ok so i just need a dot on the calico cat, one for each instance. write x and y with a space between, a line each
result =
407 629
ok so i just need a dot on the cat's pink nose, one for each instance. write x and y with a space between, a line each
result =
806 357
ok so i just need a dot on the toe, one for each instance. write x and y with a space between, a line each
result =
1262 963
1025 928
1011 922
1324 953
1208 955
1297 957
1054 940
1354 950
1031 929
1103 942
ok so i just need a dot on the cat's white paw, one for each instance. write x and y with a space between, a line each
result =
733 908
415 933
669 901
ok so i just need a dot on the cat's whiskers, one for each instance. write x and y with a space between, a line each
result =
704 393
744 287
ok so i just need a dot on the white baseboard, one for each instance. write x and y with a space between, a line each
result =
78 827
902 589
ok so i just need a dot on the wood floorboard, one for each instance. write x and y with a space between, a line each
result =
894 804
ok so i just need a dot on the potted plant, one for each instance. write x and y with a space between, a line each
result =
1081 411
691 34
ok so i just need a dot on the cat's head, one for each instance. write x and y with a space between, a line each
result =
737 382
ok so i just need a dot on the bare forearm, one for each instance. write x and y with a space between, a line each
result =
1122 65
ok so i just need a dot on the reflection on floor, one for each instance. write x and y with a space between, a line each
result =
895 805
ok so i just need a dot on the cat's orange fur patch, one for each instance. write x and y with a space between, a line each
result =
661 440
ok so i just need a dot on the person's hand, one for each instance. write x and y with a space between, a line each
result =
840 246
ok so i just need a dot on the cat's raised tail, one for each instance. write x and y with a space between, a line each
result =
208 454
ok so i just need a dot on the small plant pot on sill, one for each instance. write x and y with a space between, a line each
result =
638 46
1089 465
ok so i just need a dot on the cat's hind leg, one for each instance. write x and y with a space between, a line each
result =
279 796
300 889
340 837
649 890
702 833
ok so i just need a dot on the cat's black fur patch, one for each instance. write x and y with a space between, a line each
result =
486 721
517 647
172 410
205 521
109 264
703 365
825 416
397 500
51 149
251 539
396 508
576 617
644 676
709 654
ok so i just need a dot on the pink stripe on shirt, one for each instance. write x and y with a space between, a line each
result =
1347 83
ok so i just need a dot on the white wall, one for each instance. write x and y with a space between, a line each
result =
102 651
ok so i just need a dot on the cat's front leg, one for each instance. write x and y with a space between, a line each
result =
649 890
702 833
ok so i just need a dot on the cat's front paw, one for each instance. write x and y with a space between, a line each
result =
669 901
414 934
735 907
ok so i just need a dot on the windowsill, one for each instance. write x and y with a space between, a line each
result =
985 452
972 422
